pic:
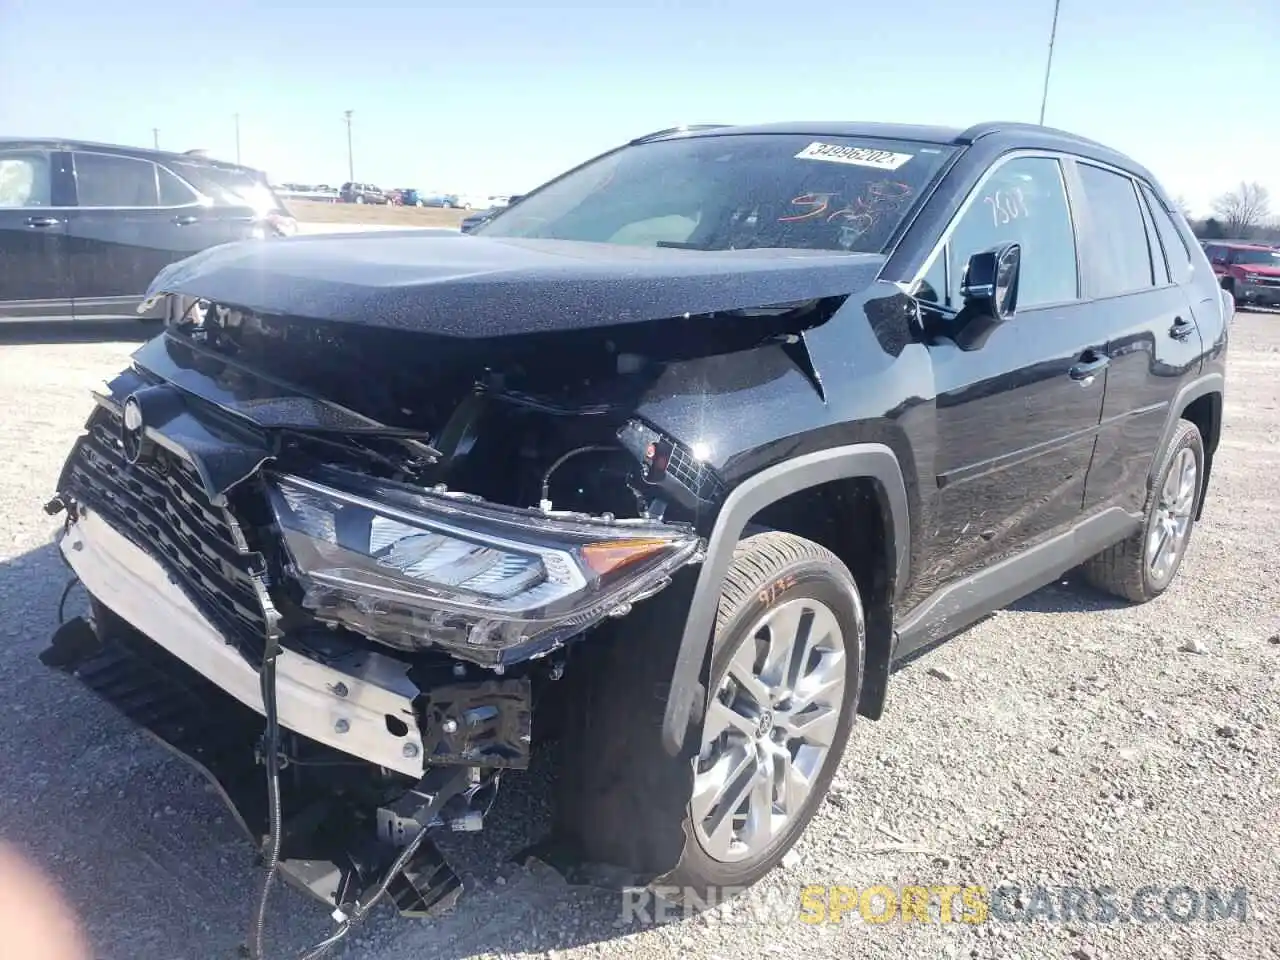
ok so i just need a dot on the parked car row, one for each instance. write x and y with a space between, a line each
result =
84 227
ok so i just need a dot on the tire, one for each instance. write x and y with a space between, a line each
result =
638 807
359 199
1128 569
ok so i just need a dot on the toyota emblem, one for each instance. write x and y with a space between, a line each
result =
132 430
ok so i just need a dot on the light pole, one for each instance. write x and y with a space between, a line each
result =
237 119
155 136
1048 66
351 164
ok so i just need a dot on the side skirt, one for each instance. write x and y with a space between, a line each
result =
963 603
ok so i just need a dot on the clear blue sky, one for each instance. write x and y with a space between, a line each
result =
497 97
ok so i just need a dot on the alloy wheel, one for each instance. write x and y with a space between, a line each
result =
1171 524
768 729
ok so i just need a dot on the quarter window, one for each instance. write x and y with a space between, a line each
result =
1175 247
1119 251
1159 267
173 191
103 180
24 180
1024 202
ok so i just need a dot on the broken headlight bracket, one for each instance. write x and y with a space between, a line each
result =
672 468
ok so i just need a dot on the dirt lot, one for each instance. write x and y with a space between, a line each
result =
308 211
1067 741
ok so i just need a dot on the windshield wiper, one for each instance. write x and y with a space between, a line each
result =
681 245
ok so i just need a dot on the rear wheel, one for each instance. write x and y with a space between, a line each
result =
1143 566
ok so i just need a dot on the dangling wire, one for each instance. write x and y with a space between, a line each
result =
62 601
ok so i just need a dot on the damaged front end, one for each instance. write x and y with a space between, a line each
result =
220 517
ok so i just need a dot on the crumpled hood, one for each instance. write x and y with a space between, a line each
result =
475 287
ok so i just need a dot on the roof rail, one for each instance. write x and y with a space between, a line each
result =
979 130
683 128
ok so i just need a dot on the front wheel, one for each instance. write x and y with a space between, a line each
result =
784 681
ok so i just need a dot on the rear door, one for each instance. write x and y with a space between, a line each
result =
132 217
1018 413
1143 292
35 270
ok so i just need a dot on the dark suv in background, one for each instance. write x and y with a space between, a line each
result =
362 193
84 227
1250 272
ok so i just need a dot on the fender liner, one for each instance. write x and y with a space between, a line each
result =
871 460
1190 392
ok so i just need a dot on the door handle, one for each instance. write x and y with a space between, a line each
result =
1088 366
43 221
185 220
1181 329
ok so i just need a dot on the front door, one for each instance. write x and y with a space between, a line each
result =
1017 414
35 272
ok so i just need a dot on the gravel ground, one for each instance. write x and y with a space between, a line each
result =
1067 741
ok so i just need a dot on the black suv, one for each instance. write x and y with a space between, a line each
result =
672 461
85 227
362 193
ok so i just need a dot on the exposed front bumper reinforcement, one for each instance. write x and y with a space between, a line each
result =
344 708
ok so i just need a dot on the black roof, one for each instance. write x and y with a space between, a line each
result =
143 153
1015 135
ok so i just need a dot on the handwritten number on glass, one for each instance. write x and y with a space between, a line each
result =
1006 206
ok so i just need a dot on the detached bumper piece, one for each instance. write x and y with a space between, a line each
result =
331 848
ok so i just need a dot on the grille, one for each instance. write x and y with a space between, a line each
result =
1268 281
162 507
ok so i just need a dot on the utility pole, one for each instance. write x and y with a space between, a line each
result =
351 164
155 136
237 118
1048 66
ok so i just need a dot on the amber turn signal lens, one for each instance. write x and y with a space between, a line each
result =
610 555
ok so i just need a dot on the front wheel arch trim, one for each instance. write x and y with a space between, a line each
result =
875 461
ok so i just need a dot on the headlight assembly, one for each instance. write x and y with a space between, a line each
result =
413 569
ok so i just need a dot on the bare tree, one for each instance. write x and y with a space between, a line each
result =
1180 204
1243 209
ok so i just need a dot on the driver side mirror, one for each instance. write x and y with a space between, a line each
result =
989 290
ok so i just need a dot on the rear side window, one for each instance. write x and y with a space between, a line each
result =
103 180
24 180
1175 247
1119 253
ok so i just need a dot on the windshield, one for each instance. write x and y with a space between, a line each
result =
231 186
733 192
1261 258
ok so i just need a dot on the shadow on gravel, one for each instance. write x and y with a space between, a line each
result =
105 331
155 867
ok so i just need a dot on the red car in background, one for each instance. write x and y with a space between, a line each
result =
1250 272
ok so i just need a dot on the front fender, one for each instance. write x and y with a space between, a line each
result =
862 460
